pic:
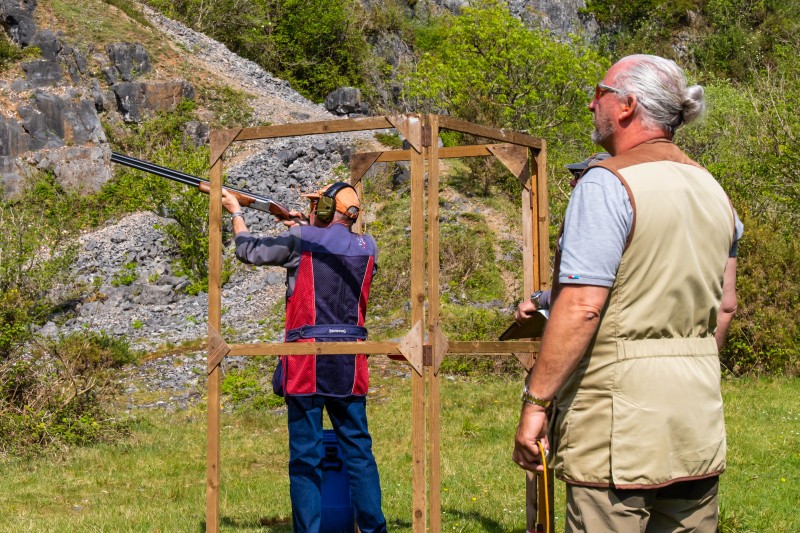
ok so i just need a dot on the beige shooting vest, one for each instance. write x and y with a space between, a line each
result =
644 408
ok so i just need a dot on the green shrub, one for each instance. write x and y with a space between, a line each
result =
125 275
250 387
485 66
314 44
765 334
59 393
9 53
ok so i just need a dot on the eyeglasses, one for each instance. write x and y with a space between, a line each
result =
601 88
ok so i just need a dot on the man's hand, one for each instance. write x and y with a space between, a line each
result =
291 221
229 202
532 427
525 310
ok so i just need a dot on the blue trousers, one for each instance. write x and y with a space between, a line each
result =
349 419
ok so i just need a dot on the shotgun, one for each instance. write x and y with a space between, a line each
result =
245 198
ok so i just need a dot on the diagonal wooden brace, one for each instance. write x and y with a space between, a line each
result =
514 158
217 349
411 128
220 141
440 346
411 347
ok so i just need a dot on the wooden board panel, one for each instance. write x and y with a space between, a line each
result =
434 414
316 348
542 218
492 347
463 126
214 318
418 450
313 128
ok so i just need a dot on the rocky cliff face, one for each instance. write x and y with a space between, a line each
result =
562 17
52 119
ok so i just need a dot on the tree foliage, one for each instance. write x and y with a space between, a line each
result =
486 66
314 44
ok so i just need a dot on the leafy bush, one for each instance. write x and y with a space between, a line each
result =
314 44
250 387
765 334
9 53
57 393
485 66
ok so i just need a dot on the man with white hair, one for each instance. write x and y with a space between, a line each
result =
644 292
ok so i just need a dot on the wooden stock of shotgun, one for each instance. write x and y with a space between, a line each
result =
245 198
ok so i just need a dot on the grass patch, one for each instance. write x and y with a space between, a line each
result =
99 22
155 480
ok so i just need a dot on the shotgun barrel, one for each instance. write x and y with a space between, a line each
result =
245 198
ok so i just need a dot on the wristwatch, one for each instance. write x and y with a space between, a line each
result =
527 397
535 298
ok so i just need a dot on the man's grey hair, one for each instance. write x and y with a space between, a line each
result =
660 88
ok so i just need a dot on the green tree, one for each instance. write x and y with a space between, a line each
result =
485 66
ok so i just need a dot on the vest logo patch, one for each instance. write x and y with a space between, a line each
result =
332 330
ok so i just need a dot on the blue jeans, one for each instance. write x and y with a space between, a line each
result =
349 419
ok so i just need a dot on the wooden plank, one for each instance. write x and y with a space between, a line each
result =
531 501
451 152
358 185
526 360
418 450
542 218
214 319
492 347
434 329
530 242
463 126
316 348
313 128
434 443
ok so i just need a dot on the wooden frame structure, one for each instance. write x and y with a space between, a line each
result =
523 155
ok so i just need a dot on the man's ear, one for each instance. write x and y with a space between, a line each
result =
629 107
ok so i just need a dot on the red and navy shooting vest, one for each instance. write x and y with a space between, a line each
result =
329 304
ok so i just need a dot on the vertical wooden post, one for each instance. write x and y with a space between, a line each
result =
417 315
434 421
542 217
214 321
530 236
358 225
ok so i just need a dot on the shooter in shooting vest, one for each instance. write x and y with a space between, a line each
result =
645 292
329 273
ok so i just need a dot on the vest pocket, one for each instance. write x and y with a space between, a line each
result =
667 420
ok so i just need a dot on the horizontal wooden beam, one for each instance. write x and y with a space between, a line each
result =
452 152
313 128
492 347
373 348
316 348
450 123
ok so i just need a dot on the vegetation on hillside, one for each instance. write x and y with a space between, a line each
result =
483 66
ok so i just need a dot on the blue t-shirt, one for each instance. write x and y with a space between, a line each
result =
597 224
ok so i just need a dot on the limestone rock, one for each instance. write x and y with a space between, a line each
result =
16 17
43 73
346 101
135 100
129 59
